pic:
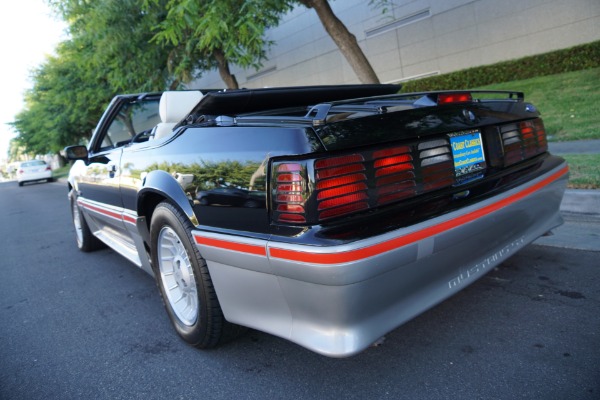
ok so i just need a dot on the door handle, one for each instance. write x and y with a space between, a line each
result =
112 170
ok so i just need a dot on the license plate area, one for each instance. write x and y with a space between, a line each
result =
468 155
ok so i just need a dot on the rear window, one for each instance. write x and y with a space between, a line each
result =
34 163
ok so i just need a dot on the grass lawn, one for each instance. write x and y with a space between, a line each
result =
570 107
584 170
61 172
569 102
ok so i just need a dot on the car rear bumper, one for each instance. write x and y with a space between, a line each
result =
338 300
34 176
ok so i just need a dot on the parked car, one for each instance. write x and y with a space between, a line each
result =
32 171
326 215
227 197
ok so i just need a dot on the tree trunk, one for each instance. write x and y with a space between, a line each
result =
344 40
61 160
223 65
174 85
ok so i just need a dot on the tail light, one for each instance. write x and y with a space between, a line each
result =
437 164
523 140
290 193
341 186
314 191
394 174
48 168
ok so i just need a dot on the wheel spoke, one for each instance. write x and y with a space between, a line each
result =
179 299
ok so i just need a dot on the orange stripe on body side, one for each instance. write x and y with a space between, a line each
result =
101 210
113 214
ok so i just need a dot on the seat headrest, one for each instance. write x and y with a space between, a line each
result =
174 106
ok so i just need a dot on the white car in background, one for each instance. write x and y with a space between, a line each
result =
34 170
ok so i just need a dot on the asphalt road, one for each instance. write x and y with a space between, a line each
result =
75 325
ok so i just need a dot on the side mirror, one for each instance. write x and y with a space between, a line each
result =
76 152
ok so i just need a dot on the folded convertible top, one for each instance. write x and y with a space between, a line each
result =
234 102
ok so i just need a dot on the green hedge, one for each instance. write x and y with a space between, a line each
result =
572 59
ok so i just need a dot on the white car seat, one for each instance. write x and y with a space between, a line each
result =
173 107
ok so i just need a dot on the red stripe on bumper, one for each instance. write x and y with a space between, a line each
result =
227 245
129 219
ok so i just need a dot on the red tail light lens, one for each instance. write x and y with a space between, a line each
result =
523 140
341 186
290 193
338 166
343 210
394 172
448 98
292 218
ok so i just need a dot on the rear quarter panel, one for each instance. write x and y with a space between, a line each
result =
219 170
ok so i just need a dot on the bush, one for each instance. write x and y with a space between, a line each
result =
572 59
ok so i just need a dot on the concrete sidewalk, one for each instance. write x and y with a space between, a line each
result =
575 147
579 201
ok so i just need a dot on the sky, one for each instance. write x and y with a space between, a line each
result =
28 33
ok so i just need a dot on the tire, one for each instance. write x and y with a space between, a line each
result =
86 241
184 281
20 183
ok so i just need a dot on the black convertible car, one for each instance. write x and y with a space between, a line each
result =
326 215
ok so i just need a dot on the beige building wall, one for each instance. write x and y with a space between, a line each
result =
417 38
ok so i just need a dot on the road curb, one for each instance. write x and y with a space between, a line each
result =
580 201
